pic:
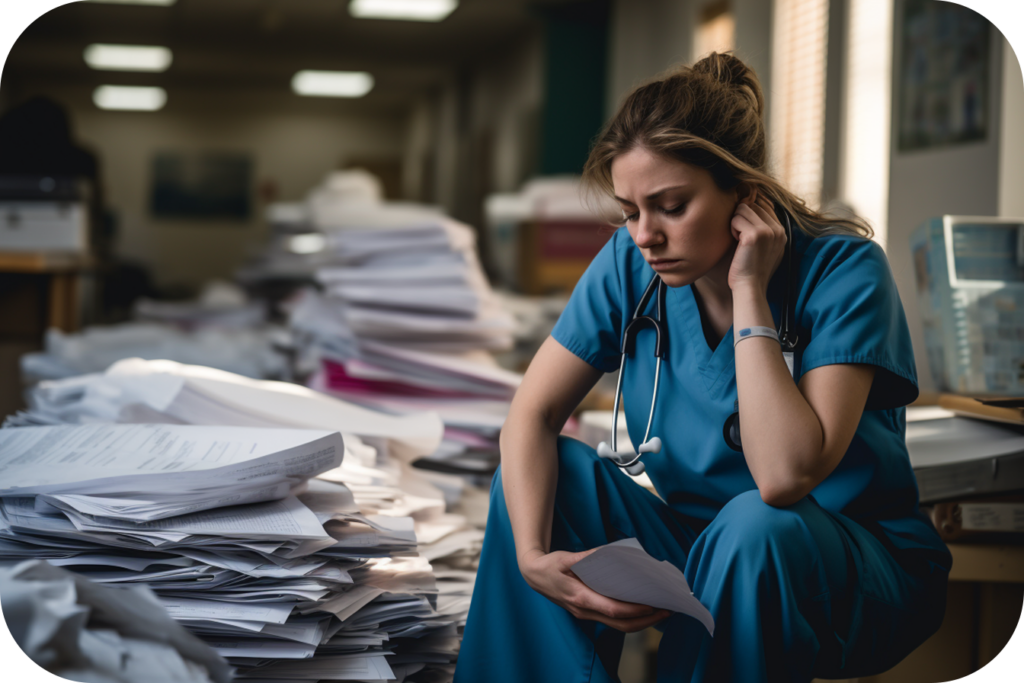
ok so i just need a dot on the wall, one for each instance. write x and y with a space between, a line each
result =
576 42
754 44
962 179
291 150
1011 152
477 133
646 37
650 36
510 99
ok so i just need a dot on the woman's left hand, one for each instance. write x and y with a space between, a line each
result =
762 243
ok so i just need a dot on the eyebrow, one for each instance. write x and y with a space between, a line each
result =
653 195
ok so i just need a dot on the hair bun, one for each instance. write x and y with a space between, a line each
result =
730 70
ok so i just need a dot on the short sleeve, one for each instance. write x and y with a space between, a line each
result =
590 326
854 315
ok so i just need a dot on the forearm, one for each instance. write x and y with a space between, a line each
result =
781 434
529 475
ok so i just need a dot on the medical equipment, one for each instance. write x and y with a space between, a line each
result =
656 290
970 283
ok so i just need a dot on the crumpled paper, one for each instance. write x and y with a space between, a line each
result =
85 631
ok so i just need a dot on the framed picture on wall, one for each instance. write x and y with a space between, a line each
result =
943 95
201 185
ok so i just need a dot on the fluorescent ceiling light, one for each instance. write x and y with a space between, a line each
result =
410 10
332 83
129 97
155 3
127 57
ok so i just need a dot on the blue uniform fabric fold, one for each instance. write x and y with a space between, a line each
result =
796 592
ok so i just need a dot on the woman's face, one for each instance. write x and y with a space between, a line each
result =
676 214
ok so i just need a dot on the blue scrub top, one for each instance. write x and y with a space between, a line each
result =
847 310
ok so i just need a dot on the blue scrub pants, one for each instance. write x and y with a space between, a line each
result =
796 592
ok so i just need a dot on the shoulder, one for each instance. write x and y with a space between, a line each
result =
619 257
835 248
622 244
849 255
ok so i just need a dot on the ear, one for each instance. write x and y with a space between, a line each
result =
747 192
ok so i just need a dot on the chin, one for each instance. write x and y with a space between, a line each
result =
678 279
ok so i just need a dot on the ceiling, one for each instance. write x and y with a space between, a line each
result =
244 46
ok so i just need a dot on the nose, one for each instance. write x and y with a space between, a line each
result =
647 232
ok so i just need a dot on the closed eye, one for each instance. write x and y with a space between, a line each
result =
670 211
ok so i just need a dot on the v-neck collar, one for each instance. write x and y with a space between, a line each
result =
718 365
710 364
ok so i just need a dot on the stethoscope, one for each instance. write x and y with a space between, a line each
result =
656 290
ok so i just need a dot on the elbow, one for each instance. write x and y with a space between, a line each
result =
780 497
786 492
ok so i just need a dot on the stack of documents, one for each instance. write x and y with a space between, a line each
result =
206 518
416 286
372 509
406 323
468 391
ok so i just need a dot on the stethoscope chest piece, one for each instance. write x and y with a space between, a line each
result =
731 429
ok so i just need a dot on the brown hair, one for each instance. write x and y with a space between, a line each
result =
710 115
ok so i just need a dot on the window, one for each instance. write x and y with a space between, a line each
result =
864 165
798 95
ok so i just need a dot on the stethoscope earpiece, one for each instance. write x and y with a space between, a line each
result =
653 445
634 466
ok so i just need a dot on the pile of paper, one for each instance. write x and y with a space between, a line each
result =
374 507
416 286
203 516
468 391
245 351
220 304
406 322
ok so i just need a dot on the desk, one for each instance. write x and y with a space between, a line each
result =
988 563
983 606
61 272
40 290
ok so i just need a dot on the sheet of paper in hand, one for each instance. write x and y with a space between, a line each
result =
624 571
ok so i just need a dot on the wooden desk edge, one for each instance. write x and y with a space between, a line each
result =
43 261
995 563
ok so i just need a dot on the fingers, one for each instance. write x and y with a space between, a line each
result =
569 559
627 625
587 599
758 221
757 212
559 584
624 616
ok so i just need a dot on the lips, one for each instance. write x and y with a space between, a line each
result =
662 264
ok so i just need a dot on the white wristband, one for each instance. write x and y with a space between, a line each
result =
748 332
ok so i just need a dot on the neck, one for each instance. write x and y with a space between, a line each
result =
713 286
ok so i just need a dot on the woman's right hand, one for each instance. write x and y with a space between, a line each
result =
550 574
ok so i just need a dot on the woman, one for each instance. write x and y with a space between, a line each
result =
806 545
